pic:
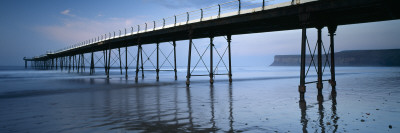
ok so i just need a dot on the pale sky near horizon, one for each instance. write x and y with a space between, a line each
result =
30 28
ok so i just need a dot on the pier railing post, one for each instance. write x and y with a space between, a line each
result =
189 58
332 30
319 43
229 39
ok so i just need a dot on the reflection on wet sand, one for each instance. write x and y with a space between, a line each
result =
230 109
212 107
151 111
304 120
156 110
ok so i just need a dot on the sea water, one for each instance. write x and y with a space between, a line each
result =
260 99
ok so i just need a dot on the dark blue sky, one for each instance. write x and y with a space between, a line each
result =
32 27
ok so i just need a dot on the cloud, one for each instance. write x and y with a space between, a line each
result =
67 12
75 30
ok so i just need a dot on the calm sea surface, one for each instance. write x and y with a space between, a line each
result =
260 99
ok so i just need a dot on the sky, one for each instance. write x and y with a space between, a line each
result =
31 27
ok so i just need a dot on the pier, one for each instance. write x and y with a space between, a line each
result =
227 20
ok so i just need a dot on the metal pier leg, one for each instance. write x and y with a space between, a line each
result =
211 60
92 64
79 63
66 62
62 64
52 64
69 64
319 42
126 62
189 59
141 56
120 61
229 39
73 62
56 63
105 61
176 76
109 61
158 67
302 86
26 64
137 63
332 30
83 63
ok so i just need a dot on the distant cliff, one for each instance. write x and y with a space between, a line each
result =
389 57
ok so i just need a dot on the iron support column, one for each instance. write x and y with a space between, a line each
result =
120 61
69 64
141 57
109 61
126 62
52 64
332 30
319 43
302 86
174 43
79 63
158 67
62 63
137 62
105 61
211 60
92 64
26 64
83 63
229 39
73 63
56 63
189 58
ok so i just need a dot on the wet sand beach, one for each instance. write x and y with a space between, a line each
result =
260 99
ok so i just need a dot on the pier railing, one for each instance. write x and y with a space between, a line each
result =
227 9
